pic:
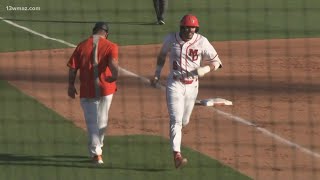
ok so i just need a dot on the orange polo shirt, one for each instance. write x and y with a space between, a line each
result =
91 58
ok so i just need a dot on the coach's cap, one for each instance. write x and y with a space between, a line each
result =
101 25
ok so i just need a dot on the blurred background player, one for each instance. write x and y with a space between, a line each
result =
97 60
160 7
191 56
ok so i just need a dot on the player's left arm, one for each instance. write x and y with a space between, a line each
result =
113 64
114 68
211 59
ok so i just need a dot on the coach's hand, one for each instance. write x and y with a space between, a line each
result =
72 91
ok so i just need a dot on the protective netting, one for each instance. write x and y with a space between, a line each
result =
270 55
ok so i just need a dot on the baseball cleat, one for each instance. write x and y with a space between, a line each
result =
97 159
179 161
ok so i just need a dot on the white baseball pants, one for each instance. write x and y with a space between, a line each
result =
96 116
180 102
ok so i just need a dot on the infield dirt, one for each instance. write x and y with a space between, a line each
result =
274 84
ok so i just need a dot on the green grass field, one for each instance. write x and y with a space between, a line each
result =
131 22
37 143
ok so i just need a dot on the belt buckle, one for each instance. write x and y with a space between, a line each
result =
186 81
183 80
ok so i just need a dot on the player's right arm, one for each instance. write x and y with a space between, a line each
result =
161 59
72 91
73 68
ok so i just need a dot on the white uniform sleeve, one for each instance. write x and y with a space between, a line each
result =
165 48
166 45
210 54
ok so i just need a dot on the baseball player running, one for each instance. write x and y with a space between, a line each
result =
97 60
191 56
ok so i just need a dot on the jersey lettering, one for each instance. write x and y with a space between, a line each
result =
194 54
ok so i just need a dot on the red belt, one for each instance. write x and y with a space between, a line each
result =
185 81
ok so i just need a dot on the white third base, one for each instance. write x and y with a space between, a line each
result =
213 102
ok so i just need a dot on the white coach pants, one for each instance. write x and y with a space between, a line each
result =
180 102
96 115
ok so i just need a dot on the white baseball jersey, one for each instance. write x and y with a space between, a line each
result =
186 57
182 83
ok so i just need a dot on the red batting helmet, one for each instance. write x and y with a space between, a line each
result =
189 20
